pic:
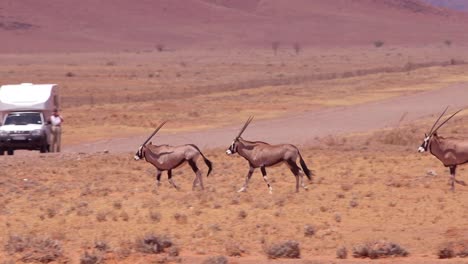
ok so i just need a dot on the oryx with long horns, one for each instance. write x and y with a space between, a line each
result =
167 158
450 151
261 155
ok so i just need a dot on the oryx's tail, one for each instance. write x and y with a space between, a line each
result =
306 170
208 163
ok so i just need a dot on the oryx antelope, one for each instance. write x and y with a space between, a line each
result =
450 151
261 155
167 158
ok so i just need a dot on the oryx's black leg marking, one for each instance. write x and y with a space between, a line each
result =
169 177
296 171
198 175
262 168
247 178
158 177
453 170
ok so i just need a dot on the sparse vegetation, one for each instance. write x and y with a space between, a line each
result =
341 252
454 249
378 43
379 249
160 47
90 258
448 42
216 260
234 249
35 249
286 249
309 230
151 244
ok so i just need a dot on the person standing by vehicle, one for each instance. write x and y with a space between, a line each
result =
56 121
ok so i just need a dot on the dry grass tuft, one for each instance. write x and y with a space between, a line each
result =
309 230
454 249
35 249
242 214
216 260
91 258
155 216
180 218
379 249
151 244
341 252
101 245
286 249
234 249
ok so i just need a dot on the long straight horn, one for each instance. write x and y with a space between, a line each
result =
430 131
446 120
155 131
245 126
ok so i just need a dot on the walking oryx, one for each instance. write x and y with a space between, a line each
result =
167 158
450 151
261 154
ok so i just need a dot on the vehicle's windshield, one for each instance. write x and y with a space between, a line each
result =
23 119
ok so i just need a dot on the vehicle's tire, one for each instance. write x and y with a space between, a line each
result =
10 152
43 149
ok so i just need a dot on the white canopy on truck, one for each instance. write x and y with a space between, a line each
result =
28 96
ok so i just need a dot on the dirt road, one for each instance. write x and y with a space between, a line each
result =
306 127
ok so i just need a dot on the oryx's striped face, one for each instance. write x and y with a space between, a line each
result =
425 144
139 153
233 148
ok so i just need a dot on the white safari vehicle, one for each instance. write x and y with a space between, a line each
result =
24 112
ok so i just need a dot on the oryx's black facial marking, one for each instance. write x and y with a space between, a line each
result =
139 154
425 145
233 148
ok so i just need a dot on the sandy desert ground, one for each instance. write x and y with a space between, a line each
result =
94 202
370 185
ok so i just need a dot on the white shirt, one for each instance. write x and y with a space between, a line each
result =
56 120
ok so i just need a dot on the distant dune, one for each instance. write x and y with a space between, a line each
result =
89 25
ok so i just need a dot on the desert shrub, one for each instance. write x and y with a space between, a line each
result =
35 249
173 251
90 258
448 42
160 47
379 249
286 249
70 74
398 137
180 218
341 252
233 249
155 216
309 230
216 260
101 245
152 244
117 205
378 43
242 214
124 216
101 216
454 249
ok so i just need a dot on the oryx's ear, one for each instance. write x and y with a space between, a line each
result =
425 135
